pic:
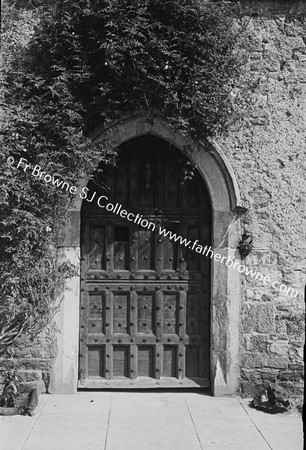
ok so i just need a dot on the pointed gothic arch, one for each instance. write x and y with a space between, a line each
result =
222 187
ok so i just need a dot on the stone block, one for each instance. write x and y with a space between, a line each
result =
292 388
300 352
255 66
269 375
264 240
7 364
259 318
277 362
290 375
260 119
251 360
284 375
28 375
250 375
296 366
36 364
265 318
272 66
253 294
250 388
295 325
260 196
38 384
247 343
257 343
290 65
301 58
280 348
256 56
261 257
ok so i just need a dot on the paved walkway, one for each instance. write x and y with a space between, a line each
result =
148 421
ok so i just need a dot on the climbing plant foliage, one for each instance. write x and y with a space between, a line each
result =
172 57
73 65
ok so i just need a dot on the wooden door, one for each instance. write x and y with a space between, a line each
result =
145 298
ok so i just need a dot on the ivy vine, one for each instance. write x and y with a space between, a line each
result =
69 67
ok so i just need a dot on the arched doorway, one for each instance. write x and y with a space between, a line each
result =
145 297
214 168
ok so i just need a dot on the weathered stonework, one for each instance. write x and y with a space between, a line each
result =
266 148
34 361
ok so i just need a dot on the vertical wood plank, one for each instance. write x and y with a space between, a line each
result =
170 249
133 251
146 313
121 310
109 254
97 248
171 177
159 252
121 247
170 309
159 313
146 179
108 334
182 250
133 327
158 361
83 353
160 187
133 182
121 181
145 249
182 333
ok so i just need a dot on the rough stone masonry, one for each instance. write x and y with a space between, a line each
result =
266 148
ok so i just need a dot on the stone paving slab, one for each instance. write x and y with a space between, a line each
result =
282 431
149 421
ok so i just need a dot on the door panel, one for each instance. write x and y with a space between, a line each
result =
145 361
96 361
170 361
145 314
120 361
144 298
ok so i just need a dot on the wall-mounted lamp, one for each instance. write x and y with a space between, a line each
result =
245 245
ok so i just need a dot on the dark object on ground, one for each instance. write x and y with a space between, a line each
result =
12 402
271 400
10 391
46 379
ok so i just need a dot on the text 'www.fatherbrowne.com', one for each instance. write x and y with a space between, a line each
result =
207 251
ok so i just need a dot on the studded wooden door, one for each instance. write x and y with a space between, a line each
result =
145 298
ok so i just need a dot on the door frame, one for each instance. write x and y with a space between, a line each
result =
219 178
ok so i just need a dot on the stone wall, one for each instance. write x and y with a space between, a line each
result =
266 148
33 361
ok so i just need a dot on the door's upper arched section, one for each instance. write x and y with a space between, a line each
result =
207 157
151 176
